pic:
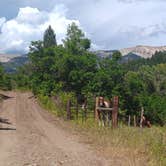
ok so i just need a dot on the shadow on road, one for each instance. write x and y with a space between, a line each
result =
31 97
4 97
7 128
5 121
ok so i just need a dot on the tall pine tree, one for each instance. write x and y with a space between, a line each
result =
49 38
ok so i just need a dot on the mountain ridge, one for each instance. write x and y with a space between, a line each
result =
139 50
12 61
143 51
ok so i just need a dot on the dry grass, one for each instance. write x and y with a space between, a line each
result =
127 146
130 146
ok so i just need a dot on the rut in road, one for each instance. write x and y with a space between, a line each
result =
30 136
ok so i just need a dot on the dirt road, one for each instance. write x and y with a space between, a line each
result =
30 136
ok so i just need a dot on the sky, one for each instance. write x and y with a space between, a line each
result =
110 24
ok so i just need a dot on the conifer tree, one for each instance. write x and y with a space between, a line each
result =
49 39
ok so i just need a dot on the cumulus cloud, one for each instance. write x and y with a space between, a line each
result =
30 24
110 24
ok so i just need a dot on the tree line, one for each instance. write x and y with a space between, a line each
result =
72 68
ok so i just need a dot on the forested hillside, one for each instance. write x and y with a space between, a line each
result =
72 69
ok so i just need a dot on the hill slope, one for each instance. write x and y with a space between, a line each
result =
143 51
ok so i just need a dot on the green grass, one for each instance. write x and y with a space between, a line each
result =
49 105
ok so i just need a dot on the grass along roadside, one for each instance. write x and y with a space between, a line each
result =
133 146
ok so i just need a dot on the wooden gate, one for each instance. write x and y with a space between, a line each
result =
111 110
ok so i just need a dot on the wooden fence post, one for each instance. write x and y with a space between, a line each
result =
77 110
129 121
142 114
115 112
96 107
68 110
135 124
85 114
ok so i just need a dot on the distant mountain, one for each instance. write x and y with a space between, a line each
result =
132 53
108 54
104 53
7 57
130 57
142 51
11 63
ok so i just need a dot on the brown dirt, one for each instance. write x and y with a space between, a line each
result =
30 136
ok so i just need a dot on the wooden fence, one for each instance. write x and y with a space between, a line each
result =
75 110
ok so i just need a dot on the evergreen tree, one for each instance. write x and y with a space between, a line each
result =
49 39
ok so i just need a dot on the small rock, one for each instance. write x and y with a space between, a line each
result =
66 156
61 162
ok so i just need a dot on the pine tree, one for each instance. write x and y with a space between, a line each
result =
49 38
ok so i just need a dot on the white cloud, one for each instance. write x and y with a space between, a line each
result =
30 24
2 20
110 24
123 23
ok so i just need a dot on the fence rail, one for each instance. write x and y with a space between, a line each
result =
104 109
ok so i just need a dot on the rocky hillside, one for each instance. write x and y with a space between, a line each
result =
7 57
143 51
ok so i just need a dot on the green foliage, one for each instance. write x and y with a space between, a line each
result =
108 78
58 105
116 56
133 88
157 58
49 39
147 88
5 80
75 42
47 103
22 77
54 65
155 108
